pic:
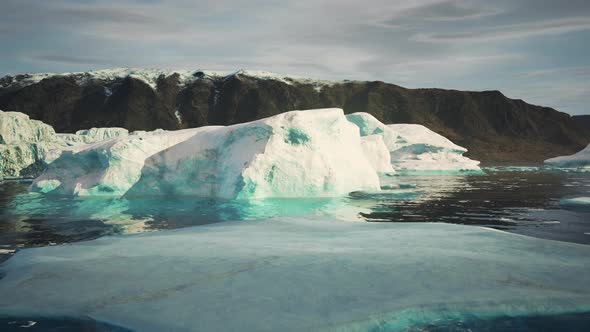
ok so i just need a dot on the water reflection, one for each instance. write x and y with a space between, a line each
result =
525 202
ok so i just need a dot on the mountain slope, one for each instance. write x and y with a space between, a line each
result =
582 121
492 126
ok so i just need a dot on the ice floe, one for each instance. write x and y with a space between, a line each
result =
579 161
295 274
576 202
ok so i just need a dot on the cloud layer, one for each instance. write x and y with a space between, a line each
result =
537 50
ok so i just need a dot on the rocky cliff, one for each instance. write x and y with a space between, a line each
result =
492 126
582 121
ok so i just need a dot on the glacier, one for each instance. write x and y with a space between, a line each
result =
314 153
298 274
579 161
413 147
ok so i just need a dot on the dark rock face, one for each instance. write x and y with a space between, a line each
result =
582 121
492 126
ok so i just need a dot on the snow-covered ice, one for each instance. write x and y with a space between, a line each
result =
579 161
316 153
294 274
17 127
377 153
414 147
425 150
27 145
92 135
24 144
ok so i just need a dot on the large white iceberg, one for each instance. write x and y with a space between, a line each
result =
579 161
314 153
414 147
377 153
298 274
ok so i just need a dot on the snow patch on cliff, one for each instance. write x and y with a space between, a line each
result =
150 76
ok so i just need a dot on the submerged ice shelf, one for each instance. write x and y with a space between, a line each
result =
294 274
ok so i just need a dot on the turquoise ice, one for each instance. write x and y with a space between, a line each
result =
293 274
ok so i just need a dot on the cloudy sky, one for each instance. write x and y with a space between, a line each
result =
537 50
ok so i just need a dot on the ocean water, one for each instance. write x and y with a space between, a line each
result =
523 200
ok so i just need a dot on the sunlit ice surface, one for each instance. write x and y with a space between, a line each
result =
294 274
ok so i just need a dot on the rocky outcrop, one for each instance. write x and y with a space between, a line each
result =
490 125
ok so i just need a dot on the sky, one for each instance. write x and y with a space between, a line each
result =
536 50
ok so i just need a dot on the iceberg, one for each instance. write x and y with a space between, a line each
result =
298 274
27 145
414 147
425 150
576 202
24 145
93 135
579 161
17 127
376 152
315 153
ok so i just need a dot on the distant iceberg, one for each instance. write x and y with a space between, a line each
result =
425 150
414 147
576 202
579 161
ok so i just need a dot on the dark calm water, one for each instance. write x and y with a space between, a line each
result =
550 323
521 200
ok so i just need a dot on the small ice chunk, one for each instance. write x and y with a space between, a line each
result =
579 161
